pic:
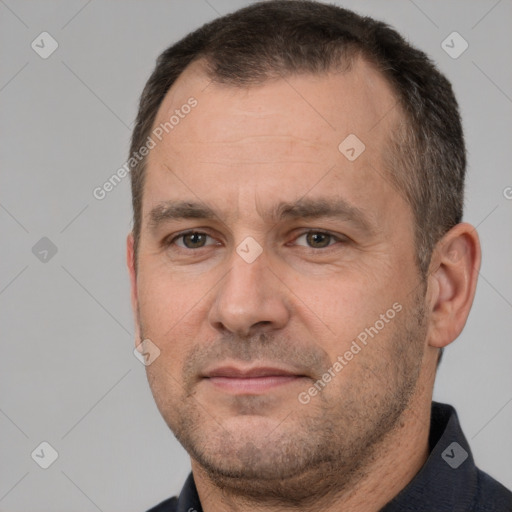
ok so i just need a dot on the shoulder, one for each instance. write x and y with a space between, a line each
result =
491 496
169 505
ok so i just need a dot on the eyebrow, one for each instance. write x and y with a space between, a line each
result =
305 208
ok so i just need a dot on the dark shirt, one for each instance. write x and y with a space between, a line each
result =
449 481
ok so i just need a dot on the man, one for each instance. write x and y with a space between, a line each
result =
298 263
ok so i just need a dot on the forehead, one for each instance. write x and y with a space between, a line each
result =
361 100
273 140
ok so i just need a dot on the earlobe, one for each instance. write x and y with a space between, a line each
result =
452 282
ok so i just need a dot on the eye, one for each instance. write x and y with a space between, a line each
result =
190 240
318 239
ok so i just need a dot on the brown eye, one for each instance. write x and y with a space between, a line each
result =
317 239
193 240
190 240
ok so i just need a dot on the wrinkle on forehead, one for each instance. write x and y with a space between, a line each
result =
363 87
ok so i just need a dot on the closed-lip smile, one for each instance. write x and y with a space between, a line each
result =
251 380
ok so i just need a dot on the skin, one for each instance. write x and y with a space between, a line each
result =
301 303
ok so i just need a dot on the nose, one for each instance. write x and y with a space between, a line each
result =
250 299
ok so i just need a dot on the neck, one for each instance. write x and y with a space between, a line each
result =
393 464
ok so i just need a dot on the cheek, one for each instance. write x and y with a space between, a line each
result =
170 312
166 296
343 307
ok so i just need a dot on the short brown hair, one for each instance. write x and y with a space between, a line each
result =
426 160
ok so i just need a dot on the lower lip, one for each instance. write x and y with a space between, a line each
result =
252 384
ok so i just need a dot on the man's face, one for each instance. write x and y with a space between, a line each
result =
257 306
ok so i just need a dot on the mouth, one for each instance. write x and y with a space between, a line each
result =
255 380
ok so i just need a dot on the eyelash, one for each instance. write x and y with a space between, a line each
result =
170 240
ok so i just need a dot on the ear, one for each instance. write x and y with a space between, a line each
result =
130 261
452 282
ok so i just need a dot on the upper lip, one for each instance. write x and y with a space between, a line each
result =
245 373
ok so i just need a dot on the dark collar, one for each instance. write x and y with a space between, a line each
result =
448 481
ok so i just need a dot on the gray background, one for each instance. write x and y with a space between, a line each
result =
68 374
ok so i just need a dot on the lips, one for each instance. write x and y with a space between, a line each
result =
239 373
256 380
